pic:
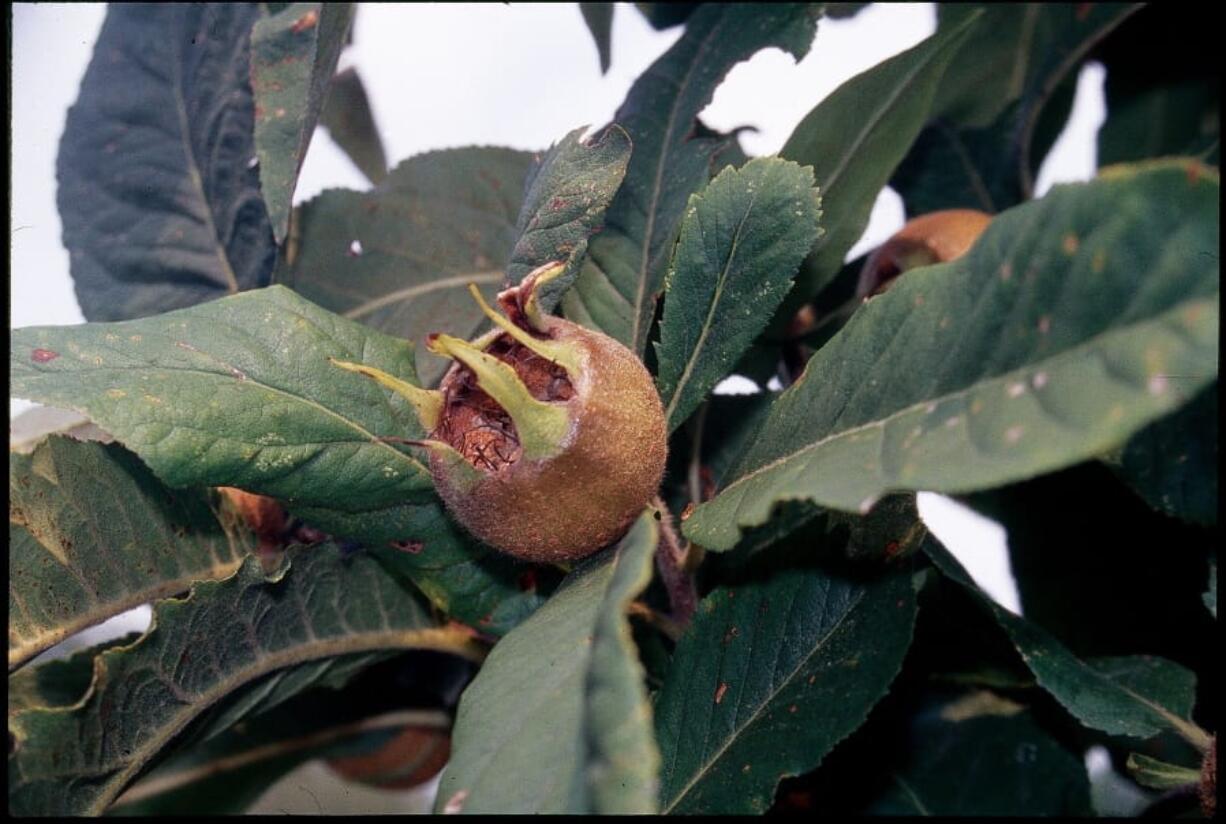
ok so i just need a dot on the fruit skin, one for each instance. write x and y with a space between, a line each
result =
411 758
572 504
937 237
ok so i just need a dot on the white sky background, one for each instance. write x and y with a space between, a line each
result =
523 75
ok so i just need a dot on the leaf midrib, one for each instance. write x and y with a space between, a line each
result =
658 183
254 383
193 168
709 321
1070 353
728 742
448 640
455 281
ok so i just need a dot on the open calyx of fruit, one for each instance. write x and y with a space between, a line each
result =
546 439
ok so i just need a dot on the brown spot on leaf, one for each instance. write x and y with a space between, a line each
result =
306 21
409 546
688 511
43 355
732 632
719 692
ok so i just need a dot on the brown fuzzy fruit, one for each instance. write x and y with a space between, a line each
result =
937 237
546 439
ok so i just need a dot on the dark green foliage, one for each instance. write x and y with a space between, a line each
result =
777 631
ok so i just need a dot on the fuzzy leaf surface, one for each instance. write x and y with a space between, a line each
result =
742 239
92 533
160 202
618 286
1138 696
857 136
239 392
774 671
399 257
1043 346
351 124
558 720
249 640
567 194
293 58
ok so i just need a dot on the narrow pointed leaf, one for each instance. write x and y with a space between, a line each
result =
293 58
351 124
158 192
92 533
1138 696
399 257
741 242
1075 321
988 136
599 20
617 288
225 641
1159 775
557 720
774 671
238 392
856 137
567 194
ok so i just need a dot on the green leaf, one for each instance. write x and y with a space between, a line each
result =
399 258
616 291
855 138
1168 103
239 392
599 20
557 720
226 773
1172 463
989 765
351 125
159 199
58 682
775 670
1138 696
245 637
567 193
293 58
982 151
1075 321
465 579
1159 775
742 239
92 533
1105 602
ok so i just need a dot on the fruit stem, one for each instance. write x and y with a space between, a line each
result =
542 427
427 403
670 560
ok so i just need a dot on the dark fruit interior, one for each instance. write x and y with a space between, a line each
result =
475 424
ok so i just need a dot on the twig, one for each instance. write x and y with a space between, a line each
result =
670 560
